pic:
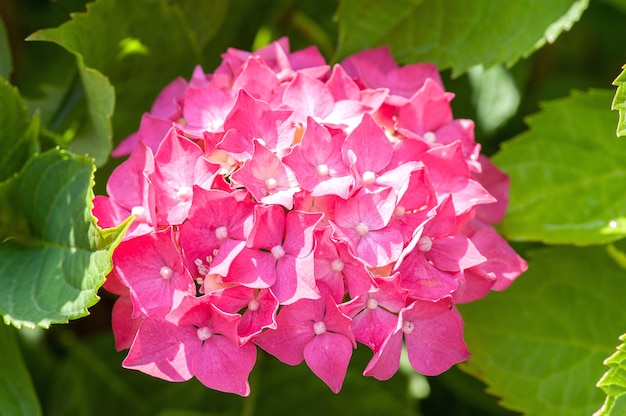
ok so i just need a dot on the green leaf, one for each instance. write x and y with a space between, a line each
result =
18 135
6 61
138 55
613 383
619 102
567 174
17 394
455 34
540 344
55 259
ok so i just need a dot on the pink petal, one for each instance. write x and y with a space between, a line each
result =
222 365
328 356
436 341
162 349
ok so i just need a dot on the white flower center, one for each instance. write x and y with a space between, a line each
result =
371 304
399 211
221 233
425 243
278 252
254 305
322 170
337 265
407 327
166 272
204 333
429 136
185 193
271 184
139 212
362 229
319 327
369 177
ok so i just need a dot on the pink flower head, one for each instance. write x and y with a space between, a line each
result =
281 204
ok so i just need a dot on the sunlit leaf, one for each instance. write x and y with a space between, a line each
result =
613 383
567 174
455 33
137 56
53 264
18 133
540 344
619 102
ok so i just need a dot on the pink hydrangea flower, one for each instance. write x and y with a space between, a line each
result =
281 203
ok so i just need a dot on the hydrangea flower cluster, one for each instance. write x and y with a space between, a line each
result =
284 204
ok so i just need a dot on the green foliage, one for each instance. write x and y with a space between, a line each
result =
5 53
132 55
453 33
619 102
18 134
54 263
539 343
613 382
17 395
566 174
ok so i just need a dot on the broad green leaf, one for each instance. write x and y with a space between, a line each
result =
567 172
17 395
6 61
204 18
56 258
619 102
18 134
455 34
613 383
540 344
139 55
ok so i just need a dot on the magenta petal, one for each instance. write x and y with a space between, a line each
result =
379 248
372 148
371 327
252 268
328 356
308 97
222 365
269 227
386 361
124 326
436 341
162 349
453 253
295 279
294 330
